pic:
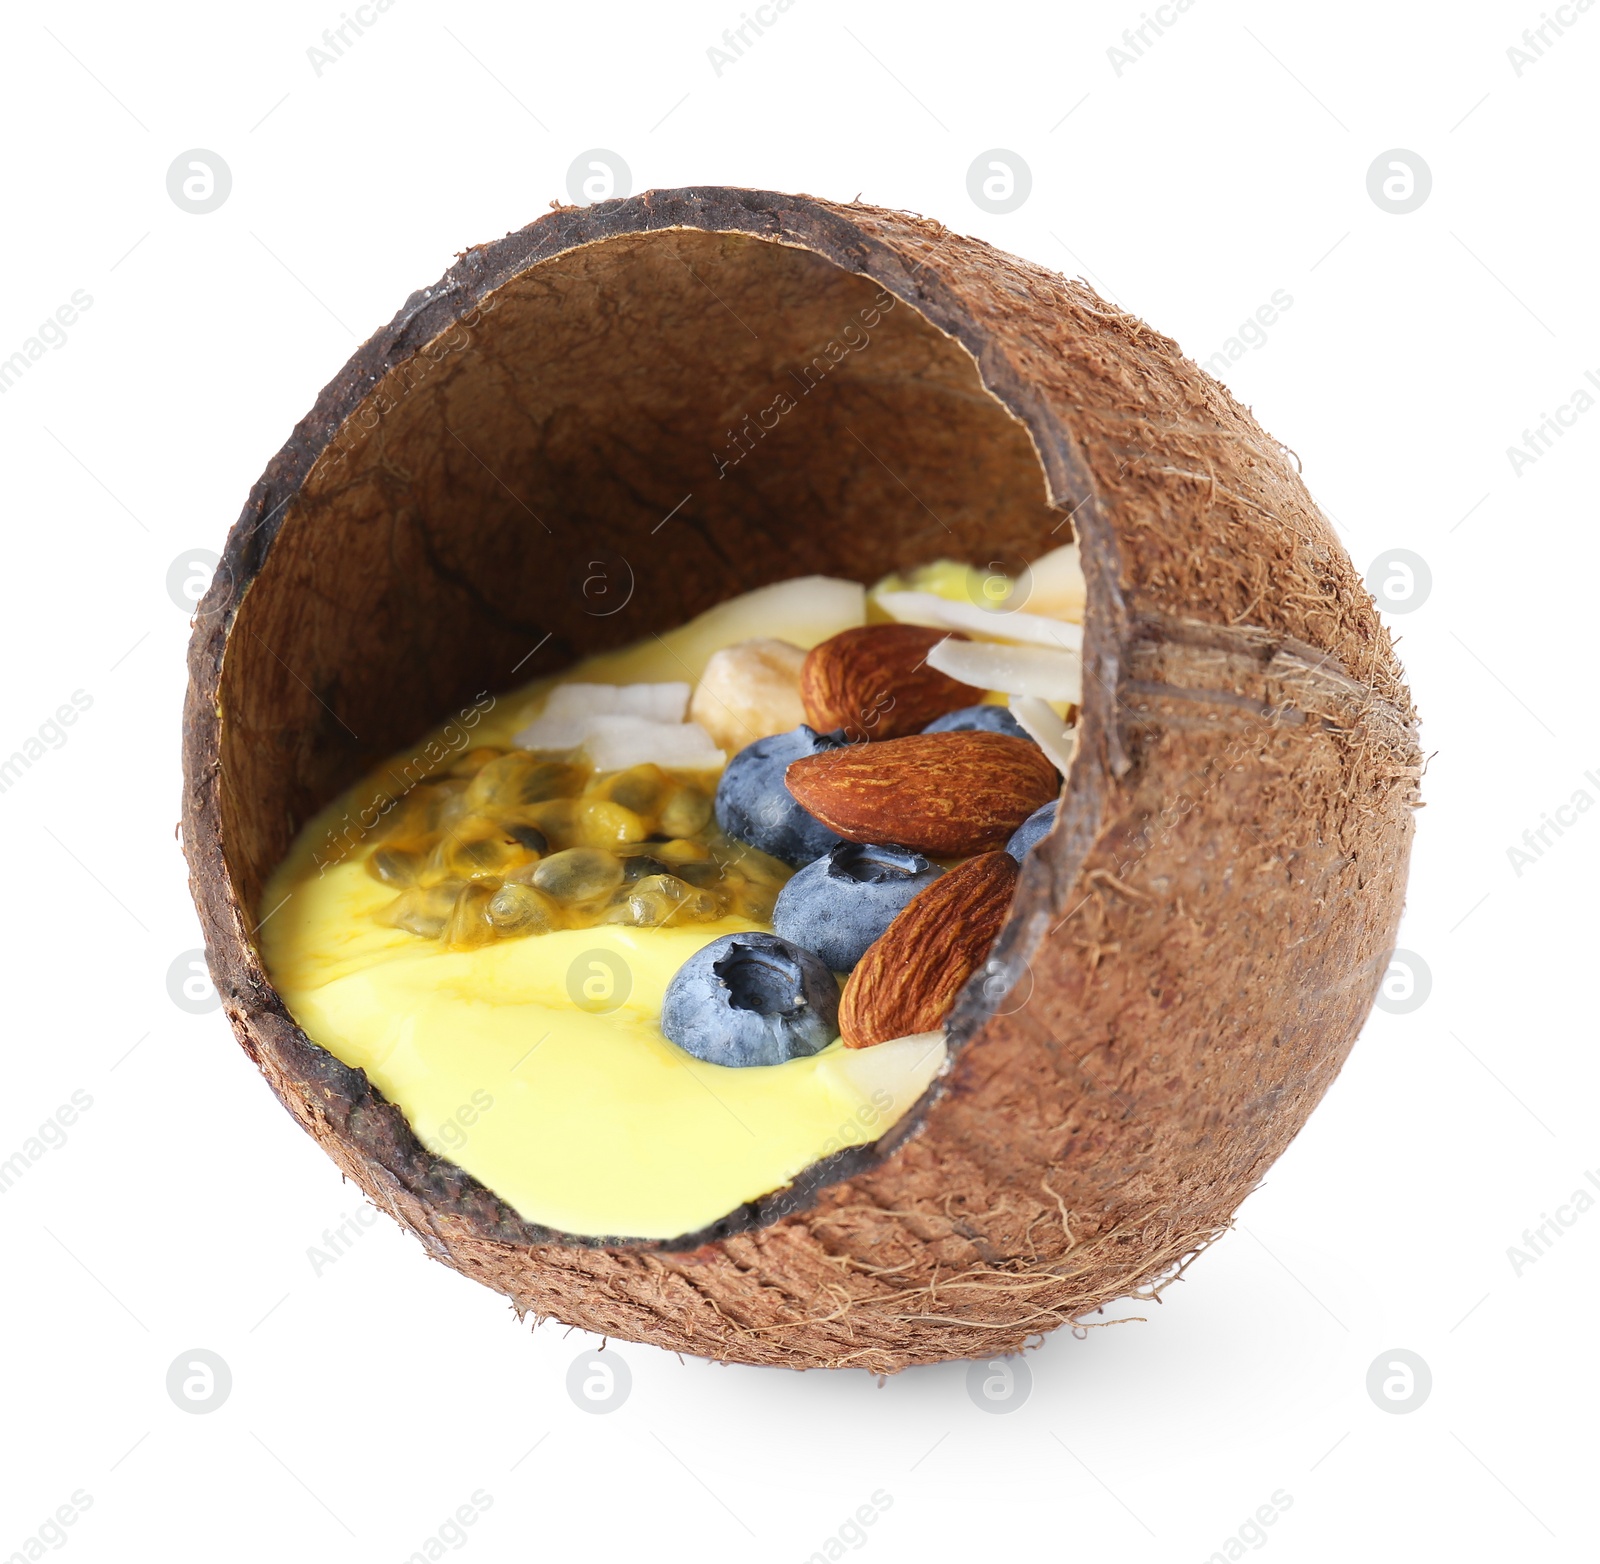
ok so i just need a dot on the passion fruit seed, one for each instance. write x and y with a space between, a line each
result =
640 788
424 910
521 778
640 866
578 874
756 902
473 761
662 899
687 811
476 851
418 816
555 818
526 835
506 844
601 822
520 909
468 924
396 866
704 874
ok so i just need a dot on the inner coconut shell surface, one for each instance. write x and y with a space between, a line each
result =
620 416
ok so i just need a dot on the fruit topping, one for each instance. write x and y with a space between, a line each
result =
529 845
751 999
1032 831
909 979
838 905
978 719
754 803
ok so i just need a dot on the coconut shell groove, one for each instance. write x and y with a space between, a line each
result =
487 491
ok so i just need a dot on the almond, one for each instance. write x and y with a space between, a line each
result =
949 794
874 682
910 976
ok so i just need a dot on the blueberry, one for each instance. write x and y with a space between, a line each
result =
1032 830
840 904
751 999
979 719
754 806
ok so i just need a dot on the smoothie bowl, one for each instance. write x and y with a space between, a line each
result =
772 780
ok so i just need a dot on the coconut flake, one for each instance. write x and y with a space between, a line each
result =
547 732
655 702
1057 587
1039 721
805 610
1050 674
901 1066
571 709
615 742
944 613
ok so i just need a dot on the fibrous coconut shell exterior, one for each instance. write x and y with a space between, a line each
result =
845 390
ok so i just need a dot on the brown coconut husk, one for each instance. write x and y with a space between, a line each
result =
1190 954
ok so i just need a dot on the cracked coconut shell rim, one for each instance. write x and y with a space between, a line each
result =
1191 951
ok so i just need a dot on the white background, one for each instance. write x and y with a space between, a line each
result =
1228 162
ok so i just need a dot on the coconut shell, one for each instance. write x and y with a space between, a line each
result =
846 390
